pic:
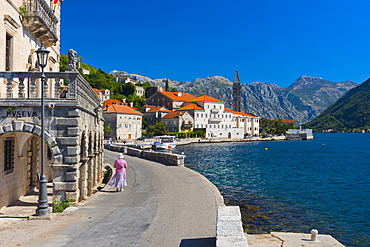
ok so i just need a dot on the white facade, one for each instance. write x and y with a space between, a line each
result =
125 122
220 122
128 126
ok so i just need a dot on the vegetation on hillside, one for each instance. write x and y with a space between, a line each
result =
101 80
275 127
350 112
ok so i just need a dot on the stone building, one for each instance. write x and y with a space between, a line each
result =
178 121
126 123
154 114
73 120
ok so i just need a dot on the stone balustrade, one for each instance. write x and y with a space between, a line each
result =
25 85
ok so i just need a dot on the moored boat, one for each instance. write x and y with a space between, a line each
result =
165 142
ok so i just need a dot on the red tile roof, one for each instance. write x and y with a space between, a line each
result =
174 114
244 114
112 101
175 95
191 106
155 109
99 90
205 98
121 109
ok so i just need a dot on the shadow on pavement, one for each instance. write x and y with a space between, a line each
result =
198 242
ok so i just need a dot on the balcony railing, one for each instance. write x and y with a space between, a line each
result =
26 85
41 21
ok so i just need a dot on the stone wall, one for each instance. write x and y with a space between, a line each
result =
229 227
166 158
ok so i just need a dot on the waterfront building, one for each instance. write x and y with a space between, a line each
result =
125 122
73 116
209 114
246 121
216 120
170 100
154 114
178 121
237 95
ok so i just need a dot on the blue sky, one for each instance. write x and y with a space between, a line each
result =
266 40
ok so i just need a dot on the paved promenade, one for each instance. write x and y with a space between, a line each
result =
162 206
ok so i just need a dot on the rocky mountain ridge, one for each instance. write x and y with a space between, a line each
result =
302 101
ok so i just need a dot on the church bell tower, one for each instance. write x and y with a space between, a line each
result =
237 94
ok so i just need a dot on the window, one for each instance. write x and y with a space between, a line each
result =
8 52
8 155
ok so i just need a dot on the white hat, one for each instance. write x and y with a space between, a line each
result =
120 156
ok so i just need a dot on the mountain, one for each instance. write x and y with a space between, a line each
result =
302 101
352 111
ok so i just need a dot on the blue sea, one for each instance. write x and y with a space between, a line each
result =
294 186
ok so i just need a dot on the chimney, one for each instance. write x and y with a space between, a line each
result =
179 94
131 104
124 100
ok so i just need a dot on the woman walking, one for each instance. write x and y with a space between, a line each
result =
119 179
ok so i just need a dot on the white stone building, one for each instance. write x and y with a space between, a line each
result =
125 122
211 115
104 94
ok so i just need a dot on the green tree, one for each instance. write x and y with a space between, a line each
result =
128 89
167 85
158 128
107 129
275 126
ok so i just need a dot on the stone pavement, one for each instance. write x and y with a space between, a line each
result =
288 239
22 209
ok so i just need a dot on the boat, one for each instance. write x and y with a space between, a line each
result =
164 142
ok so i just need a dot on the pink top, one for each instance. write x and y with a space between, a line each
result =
120 166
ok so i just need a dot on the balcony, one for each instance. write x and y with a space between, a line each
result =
23 88
215 110
214 120
40 19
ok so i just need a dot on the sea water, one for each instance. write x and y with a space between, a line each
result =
294 186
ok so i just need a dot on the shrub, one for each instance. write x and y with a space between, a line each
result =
60 206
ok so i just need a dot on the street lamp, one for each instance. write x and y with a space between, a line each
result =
43 206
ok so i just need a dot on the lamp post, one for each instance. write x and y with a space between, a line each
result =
43 206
